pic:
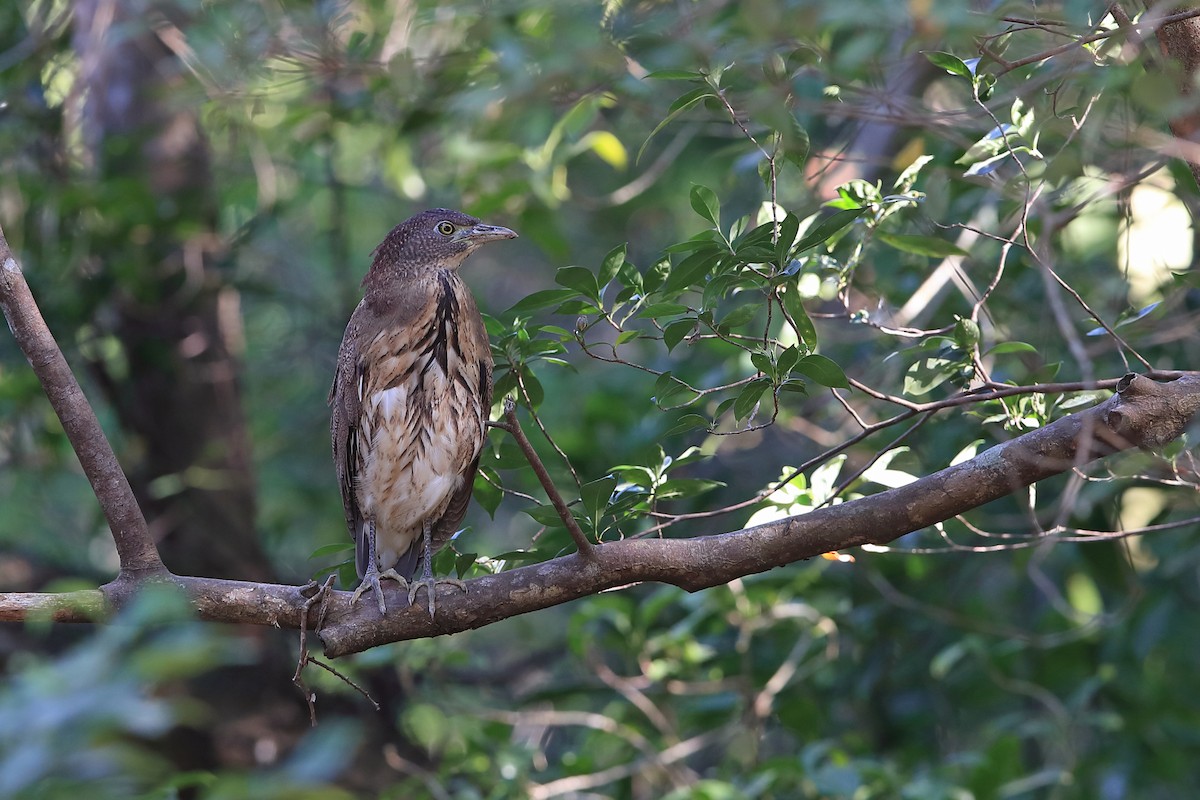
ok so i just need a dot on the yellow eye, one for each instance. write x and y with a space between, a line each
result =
445 228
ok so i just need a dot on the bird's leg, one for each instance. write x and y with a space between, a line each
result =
373 576
427 579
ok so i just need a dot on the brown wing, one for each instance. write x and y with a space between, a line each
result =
345 402
475 343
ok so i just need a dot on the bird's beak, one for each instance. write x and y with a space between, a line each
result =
481 233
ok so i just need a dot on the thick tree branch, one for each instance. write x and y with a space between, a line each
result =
135 547
1143 413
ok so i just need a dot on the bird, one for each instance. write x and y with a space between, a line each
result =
410 400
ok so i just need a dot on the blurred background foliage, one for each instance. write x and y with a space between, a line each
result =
195 189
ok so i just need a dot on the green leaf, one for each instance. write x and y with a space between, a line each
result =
656 310
463 563
580 279
537 300
705 203
577 307
688 422
675 333
611 265
762 363
673 75
788 228
823 370
796 143
920 245
689 271
787 359
793 307
331 549
758 236
951 63
677 488
681 104
563 334
534 388
747 399
1011 347
927 374
656 274
826 228
670 392
627 336
707 238
638 474
909 176
595 496
487 489
739 316
545 515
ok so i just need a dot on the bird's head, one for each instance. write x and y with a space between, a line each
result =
435 239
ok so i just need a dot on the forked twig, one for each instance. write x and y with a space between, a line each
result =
321 594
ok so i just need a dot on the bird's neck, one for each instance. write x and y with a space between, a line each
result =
399 285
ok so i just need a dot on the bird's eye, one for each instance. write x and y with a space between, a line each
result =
445 228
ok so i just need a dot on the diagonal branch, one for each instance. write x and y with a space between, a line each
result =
513 426
135 547
1142 413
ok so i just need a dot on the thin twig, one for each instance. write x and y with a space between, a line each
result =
513 426
1095 37
545 433
321 595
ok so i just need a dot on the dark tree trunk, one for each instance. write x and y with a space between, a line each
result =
167 303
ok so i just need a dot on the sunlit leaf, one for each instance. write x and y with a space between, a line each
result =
789 298
1011 347
951 63
609 148
920 245
611 264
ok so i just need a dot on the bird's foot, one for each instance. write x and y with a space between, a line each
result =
430 583
371 581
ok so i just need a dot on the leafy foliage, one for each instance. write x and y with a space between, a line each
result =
769 261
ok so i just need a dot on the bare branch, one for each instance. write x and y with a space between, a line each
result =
513 426
135 547
87 605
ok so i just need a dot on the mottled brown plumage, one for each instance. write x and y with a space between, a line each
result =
410 399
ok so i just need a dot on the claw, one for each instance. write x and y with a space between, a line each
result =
371 581
431 585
